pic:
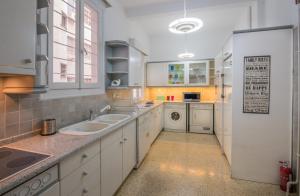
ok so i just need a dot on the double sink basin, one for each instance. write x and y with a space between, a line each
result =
95 126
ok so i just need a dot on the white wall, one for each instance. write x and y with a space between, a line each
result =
276 13
259 141
117 26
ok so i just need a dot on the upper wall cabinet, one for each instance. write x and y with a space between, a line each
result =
18 36
136 67
191 73
124 65
157 74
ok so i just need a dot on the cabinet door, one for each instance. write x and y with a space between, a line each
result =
129 148
157 74
176 74
198 73
161 113
17 36
201 117
51 191
144 138
136 67
111 167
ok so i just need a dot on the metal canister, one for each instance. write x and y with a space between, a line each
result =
49 127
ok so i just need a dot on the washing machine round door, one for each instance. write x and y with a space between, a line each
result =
175 116
175 119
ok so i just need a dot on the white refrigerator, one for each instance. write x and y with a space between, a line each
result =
259 140
254 143
223 104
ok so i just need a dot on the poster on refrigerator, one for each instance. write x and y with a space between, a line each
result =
257 71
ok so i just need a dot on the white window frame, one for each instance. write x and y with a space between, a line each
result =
100 46
78 86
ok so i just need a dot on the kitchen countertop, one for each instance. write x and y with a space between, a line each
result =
182 101
58 146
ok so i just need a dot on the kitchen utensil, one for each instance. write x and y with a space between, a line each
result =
49 127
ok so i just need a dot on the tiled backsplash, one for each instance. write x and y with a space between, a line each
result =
208 93
23 114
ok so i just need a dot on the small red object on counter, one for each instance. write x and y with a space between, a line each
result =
172 98
168 98
285 171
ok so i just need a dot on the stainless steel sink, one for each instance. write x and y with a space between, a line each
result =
85 128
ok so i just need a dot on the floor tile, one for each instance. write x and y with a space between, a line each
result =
181 164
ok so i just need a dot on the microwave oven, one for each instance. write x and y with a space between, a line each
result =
191 96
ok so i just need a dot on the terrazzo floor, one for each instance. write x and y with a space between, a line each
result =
181 164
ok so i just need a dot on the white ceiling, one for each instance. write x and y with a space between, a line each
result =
138 3
213 18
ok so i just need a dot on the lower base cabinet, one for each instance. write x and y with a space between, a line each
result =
149 127
129 148
118 157
80 172
111 163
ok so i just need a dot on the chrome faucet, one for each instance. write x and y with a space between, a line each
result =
91 116
106 108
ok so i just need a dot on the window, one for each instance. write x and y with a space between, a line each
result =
91 63
75 44
63 71
64 18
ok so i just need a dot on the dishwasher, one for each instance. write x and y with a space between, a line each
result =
44 184
201 118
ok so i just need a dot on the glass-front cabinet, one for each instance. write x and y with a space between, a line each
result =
176 74
198 73
192 73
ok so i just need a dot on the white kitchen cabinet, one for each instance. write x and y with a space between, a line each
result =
161 117
118 157
198 73
111 163
18 36
186 73
143 137
201 118
125 63
80 172
157 119
149 127
136 67
129 148
157 74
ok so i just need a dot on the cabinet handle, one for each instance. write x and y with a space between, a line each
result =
121 142
84 156
27 61
125 139
84 191
84 173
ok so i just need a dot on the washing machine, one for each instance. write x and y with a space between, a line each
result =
175 117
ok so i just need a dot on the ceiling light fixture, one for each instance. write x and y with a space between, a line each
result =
186 55
185 24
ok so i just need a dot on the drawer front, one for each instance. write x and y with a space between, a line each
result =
75 161
202 106
86 191
86 176
109 139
